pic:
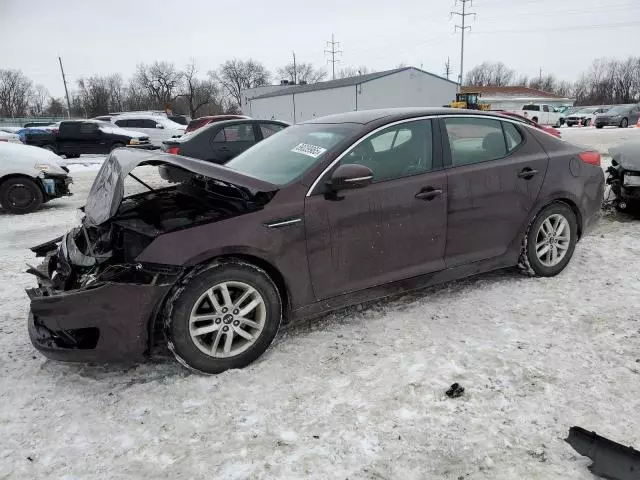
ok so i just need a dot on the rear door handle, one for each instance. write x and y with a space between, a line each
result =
428 194
527 173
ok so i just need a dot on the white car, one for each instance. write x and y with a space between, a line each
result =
9 137
29 177
157 127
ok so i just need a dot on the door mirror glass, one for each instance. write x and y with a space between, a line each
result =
349 176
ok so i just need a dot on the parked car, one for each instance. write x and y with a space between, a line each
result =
543 114
550 130
202 121
75 137
328 213
181 119
218 142
619 116
156 127
585 116
9 137
624 175
29 177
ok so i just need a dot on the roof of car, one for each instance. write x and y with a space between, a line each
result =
393 114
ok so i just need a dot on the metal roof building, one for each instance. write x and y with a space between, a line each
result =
401 87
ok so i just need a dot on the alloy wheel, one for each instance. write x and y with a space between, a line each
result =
553 240
227 319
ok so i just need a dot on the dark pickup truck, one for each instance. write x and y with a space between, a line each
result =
75 137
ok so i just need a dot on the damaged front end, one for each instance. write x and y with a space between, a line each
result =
94 301
624 176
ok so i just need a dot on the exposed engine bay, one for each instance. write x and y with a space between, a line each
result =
106 251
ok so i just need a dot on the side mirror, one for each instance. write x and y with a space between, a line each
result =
349 176
159 126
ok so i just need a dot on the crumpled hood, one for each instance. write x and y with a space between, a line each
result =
627 155
107 190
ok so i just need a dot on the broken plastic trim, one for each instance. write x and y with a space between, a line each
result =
611 460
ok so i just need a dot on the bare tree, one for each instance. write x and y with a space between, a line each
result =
237 75
490 74
348 72
39 99
117 92
303 72
94 95
55 108
197 92
136 97
161 80
15 91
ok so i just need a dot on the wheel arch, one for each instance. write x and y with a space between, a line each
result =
23 175
569 203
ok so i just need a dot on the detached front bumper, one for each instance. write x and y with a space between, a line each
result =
105 322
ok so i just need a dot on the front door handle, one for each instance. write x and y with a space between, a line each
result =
527 173
428 194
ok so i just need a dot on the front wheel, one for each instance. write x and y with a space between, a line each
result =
20 195
225 317
550 241
624 123
599 126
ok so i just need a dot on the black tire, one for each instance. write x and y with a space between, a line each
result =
185 298
535 119
72 155
116 145
51 148
20 195
529 261
587 123
599 126
624 123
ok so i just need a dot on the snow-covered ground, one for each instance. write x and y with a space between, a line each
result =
358 394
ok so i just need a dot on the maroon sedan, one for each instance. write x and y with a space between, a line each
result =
321 215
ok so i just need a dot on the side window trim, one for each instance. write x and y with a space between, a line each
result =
446 146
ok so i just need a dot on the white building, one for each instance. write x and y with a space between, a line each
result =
402 87
514 98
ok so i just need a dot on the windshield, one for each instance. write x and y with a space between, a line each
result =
586 111
286 155
618 109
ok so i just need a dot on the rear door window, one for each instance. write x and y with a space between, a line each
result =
122 123
535 108
475 140
242 132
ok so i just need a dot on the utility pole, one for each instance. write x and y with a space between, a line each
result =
447 68
66 92
463 14
541 76
333 51
295 70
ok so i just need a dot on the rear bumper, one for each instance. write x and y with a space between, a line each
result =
107 322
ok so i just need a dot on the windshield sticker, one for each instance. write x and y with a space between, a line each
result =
309 150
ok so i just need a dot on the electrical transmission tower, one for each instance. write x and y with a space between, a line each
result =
333 51
463 15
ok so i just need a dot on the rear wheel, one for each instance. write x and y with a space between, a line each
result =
624 123
20 195
550 241
535 119
225 317
599 126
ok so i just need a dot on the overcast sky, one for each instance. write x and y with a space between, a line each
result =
103 37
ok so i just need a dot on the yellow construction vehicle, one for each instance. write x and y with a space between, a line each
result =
470 101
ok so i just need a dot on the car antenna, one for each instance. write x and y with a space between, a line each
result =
140 181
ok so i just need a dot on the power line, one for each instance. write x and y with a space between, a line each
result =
464 14
553 29
333 51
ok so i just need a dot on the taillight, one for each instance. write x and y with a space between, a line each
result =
174 150
592 158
